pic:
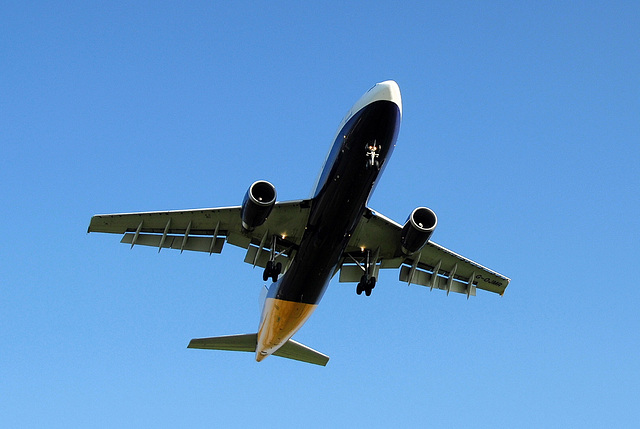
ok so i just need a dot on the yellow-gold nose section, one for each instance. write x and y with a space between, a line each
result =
281 320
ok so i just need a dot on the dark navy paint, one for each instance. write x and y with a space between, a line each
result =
339 202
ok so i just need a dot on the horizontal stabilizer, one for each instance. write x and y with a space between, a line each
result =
235 343
247 343
295 350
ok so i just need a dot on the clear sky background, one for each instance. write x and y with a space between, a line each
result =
521 129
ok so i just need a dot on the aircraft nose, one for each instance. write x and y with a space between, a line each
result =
387 90
388 85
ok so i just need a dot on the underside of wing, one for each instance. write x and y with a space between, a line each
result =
433 266
438 267
206 230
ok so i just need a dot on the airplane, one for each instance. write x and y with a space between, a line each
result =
302 244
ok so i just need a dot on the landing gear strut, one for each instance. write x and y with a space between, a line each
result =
367 281
273 268
372 154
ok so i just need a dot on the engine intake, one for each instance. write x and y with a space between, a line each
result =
257 204
418 229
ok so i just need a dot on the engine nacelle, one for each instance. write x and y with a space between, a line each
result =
418 229
257 204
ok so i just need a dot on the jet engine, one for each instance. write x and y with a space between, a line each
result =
418 229
257 204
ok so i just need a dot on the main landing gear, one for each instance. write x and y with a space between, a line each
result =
366 285
273 268
367 281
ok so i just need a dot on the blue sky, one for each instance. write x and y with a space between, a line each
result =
521 129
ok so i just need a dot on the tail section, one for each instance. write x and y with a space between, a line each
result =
248 342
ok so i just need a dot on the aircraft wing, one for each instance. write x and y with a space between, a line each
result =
434 266
206 230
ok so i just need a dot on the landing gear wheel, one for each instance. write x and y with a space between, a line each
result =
366 285
272 270
268 271
276 271
373 164
371 283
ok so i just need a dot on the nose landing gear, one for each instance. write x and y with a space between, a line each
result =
372 154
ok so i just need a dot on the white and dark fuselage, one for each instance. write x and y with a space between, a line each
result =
364 142
312 239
